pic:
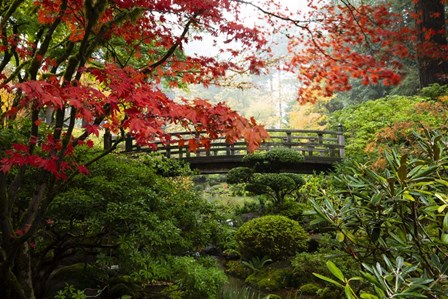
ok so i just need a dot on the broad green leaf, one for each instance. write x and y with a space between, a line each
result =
442 197
340 236
408 196
335 271
349 292
441 208
445 223
375 199
368 296
328 280
444 182
444 238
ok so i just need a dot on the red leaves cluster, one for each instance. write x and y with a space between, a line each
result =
121 97
365 42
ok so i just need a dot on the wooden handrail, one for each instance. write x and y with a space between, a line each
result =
311 143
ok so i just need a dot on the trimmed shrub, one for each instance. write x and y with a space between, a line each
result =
273 236
239 175
284 156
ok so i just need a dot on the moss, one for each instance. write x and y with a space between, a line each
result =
237 268
269 279
309 289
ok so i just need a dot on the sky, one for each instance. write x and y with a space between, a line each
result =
205 48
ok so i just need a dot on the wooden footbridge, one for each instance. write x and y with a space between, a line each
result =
321 150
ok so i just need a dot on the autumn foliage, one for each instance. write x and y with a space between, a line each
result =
341 42
70 69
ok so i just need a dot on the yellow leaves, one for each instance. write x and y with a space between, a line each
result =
6 101
309 116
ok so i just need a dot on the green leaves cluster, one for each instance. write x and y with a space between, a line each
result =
125 214
363 122
395 214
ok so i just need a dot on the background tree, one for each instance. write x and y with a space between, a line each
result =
345 40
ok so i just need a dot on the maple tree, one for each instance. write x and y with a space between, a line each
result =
101 63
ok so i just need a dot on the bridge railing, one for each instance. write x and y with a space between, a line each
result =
311 143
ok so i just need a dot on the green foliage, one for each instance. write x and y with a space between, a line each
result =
434 91
273 236
166 167
254 158
268 279
256 264
237 268
276 185
397 214
197 280
305 263
292 210
261 177
363 122
341 281
283 156
69 292
273 160
126 214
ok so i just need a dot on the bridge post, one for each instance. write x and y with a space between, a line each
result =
168 149
341 141
320 136
107 140
288 139
311 147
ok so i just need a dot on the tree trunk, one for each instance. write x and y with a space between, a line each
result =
431 42
16 275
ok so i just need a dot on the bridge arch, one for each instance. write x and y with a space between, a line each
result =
321 150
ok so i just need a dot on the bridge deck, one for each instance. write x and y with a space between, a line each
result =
321 150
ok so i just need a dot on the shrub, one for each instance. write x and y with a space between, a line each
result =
196 280
273 236
292 210
305 264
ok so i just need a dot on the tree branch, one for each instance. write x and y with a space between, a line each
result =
173 48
